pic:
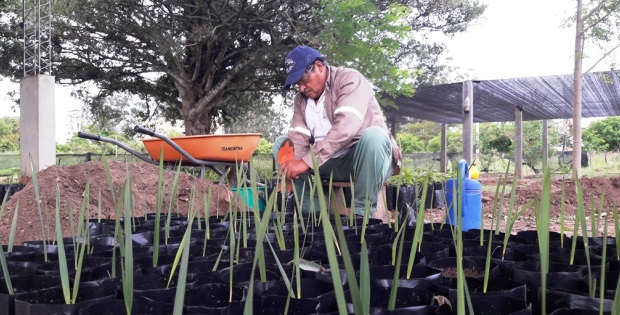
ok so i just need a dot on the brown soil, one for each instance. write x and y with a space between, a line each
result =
530 187
71 181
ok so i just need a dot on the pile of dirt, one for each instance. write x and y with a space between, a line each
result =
593 190
530 188
70 182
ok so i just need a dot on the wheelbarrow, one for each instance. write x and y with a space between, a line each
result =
202 151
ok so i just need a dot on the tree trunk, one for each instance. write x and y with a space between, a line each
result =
199 126
195 123
577 86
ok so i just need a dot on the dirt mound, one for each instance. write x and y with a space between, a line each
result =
530 187
71 181
593 190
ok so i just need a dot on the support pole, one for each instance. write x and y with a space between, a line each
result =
468 121
443 159
545 144
394 125
518 142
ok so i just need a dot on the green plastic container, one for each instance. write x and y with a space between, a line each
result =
248 196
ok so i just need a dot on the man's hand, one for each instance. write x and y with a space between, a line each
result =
293 168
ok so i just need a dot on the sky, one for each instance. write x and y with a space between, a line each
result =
514 39
521 39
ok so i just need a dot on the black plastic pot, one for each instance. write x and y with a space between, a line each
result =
22 284
557 300
532 236
53 268
275 304
578 259
496 287
40 247
414 300
51 301
421 276
146 263
213 297
406 198
241 276
310 288
566 311
490 305
435 197
16 269
390 197
528 272
473 267
382 255
138 306
11 189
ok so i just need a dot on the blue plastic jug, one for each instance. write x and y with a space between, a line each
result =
471 199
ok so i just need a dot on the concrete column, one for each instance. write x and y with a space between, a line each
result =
37 123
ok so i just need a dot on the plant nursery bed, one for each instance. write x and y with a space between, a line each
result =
219 271
211 256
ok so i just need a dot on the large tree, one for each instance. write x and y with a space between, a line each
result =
596 22
603 135
194 59
9 134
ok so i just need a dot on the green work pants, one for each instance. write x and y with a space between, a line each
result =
368 164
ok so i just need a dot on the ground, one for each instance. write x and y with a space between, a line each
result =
530 187
70 182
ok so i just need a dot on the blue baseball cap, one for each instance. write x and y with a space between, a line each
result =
296 63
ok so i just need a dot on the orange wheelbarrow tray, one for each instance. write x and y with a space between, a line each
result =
204 150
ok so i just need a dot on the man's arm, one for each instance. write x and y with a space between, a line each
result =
298 131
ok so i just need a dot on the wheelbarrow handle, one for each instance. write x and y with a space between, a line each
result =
145 131
89 136
175 146
135 153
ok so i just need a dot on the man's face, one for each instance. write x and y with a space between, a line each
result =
312 83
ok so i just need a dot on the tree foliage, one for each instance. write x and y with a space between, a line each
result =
195 60
262 118
603 135
454 145
409 143
79 145
9 134
424 130
388 40
498 138
264 147
601 19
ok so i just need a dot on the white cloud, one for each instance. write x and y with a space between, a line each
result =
520 39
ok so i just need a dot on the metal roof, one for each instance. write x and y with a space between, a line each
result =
545 97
